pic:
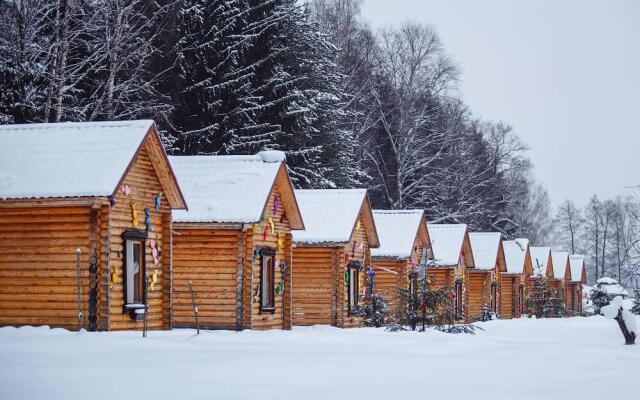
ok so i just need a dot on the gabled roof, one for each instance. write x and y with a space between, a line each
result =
77 159
330 216
576 268
541 260
397 230
485 247
447 241
560 261
515 253
233 189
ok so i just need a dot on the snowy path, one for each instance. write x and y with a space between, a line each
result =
524 359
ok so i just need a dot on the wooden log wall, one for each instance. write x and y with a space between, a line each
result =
38 265
207 258
145 186
479 292
508 289
387 284
313 285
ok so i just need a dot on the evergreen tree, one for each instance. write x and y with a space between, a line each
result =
636 303
422 305
599 297
543 300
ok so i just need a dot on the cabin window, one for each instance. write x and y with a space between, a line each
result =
458 305
354 286
267 280
134 270
494 300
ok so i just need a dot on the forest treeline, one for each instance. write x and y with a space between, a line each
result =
351 106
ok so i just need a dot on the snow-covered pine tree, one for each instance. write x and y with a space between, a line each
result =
258 75
22 51
636 303
543 300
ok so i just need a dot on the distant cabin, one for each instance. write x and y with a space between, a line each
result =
105 189
512 282
331 256
452 257
484 279
560 261
575 276
234 243
404 242
541 262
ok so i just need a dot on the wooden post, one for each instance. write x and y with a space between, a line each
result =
146 306
79 288
195 307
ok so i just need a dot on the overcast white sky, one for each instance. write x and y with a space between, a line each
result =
565 74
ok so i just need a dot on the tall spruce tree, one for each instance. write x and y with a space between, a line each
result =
257 75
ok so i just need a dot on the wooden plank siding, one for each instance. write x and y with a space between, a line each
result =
509 298
387 283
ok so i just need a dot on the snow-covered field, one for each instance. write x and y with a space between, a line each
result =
522 359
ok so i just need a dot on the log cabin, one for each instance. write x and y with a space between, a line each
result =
484 279
513 282
560 260
331 256
85 225
575 277
232 248
404 241
452 258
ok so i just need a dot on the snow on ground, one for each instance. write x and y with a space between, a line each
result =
520 359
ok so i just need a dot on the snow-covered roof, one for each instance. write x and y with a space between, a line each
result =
515 252
576 262
540 256
224 189
397 230
559 260
68 159
485 246
330 215
446 242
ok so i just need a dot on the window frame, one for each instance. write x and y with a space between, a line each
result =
353 270
267 254
458 304
494 297
140 237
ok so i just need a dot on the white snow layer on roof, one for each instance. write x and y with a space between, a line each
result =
329 215
575 265
559 260
446 241
68 159
515 252
485 247
540 259
225 189
397 231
